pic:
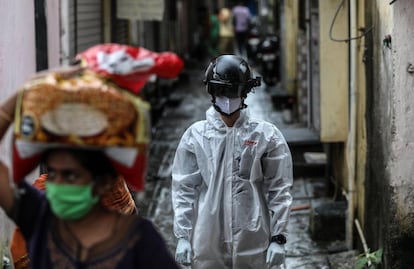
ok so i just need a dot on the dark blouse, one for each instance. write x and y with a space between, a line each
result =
143 247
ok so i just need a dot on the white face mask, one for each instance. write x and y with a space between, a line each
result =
228 105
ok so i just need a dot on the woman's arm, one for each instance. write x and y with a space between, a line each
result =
7 113
6 118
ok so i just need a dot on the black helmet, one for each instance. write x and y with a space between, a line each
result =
230 76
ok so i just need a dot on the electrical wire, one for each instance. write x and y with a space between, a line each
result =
346 39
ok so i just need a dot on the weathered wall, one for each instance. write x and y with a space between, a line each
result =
402 147
378 105
402 159
289 24
315 67
390 181
333 72
361 135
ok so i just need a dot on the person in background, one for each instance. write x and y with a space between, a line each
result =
226 33
231 180
241 21
67 225
214 33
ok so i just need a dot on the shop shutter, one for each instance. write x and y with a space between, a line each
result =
119 27
72 29
120 32
89 24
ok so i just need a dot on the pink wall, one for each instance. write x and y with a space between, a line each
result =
17 48
18 63
17 44
17 52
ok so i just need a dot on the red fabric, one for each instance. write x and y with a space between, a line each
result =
165 64
134 175
23 166
18 250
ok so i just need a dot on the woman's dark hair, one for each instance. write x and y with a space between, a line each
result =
95 161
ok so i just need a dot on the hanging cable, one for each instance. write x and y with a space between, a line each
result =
347 39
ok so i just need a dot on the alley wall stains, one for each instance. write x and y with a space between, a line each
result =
390 114
402 158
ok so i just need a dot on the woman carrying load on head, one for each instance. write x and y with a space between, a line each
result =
71 224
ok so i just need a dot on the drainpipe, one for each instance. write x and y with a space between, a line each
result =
309 112
352 125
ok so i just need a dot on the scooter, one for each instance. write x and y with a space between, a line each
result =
253 41
269 59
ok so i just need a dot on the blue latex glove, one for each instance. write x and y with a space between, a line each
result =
183 252
275 254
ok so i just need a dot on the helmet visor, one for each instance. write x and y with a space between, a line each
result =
220 88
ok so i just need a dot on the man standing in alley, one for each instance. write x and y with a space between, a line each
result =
241 21
231 180
226 32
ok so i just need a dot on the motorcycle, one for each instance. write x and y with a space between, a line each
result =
253 41
269 60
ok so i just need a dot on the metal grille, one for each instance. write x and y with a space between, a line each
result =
89 24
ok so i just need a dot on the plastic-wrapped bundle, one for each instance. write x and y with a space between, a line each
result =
128 66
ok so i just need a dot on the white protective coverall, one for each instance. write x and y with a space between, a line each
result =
231 191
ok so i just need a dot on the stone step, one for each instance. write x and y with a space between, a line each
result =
303 169
309 158
327 221
314 164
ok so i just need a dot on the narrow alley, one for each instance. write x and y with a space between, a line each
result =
188 104
341 80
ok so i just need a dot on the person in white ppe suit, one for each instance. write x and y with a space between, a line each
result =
231 180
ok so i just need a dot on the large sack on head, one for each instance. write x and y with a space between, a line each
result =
81 110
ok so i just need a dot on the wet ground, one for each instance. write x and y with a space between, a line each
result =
188 103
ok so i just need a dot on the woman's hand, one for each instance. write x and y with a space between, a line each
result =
6 190
7 113
7 109
62 71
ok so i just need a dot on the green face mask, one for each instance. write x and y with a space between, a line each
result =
70 202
